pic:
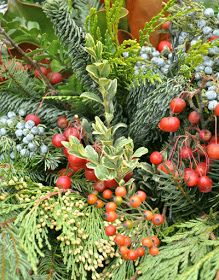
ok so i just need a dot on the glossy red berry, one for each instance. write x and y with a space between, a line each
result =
120 191
110 230
44 71
62 122
120 240
99 186
90 175
72 131
186 152
63 182
142 195
135 201
132 255
109 184
111 216
92 199
107 194
154 251
164 45
55 78
140 251
191 177
34 118
148 215
194 117
205 135
111 206
177 105
205 184
156 158
57 140
216 110
157 219
76 161
147 242
169 124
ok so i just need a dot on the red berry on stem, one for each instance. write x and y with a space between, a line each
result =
148 215
107 194
99 186
34 118
120 240
156 158
62 122
177 105
132 255
72 131
155 240
186 152
213 151
120 191
142 195
44 71
92 199
109 184
194 117
169 124
135 201
63 182
166 25
140 251
55 77
201 169
147 242
216 110
164 45
111 206
110 230
76 161
166 167
190 177
205 135
154 251
205 184
157 219
57 140
90 175
99 203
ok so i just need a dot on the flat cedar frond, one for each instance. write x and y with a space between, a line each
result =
191 253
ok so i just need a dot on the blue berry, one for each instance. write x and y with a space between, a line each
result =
3 131
11 115
155 54
10 123
212 88
3 120
41 130
32 147
12 155
22 113
209 84
20 125
24 152
212 104
125 54
216 32
208 63
201 23
43 149
18 147
208 70
145 56
18 133
29 137
25 141
209 12
198 76
35 130
207 30
211 95
26 131
29 124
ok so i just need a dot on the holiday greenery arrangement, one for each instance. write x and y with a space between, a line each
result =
109 153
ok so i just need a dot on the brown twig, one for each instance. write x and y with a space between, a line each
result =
30 61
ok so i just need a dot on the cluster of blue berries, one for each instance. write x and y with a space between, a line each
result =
28 137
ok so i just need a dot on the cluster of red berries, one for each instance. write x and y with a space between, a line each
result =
195 144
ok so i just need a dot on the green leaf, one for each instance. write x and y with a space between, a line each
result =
92 155
121 142
140 152
117 126
101 172
75 147
112 88
92 96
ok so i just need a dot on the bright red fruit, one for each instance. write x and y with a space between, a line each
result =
76 161
99 186
63 182
186 152
177 105
212 38
157 219
120 191
166 25
156 158
111 206
147 242
99 203
66 172
191 178
110 230
214 140
62 122
107 194
213 151
65 152
57 140
110 183
163 45
142 195
34 118
205 184
111 216
132 255
135 201
92 199
216 110
154 251
140 251
167 167
148 215
44 70
120 240
205 135
55 77
194 117
169 124
90 174
72 131
201 168
155 240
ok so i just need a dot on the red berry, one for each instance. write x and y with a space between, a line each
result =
109 184
99 186
135 201
99 203
148 215
155 240
120 191
72 131
132 255
37 73
213 151
212 38
186 152
157 219
76 161
63 182
194 117
205 184
57 140
216 110
128 241
177 105
166 25
92 199
164 45
190 177
111 206
142 195
34 118
65 152
128 224
201 169
62 122
107 194
156 158
166 167
140 251
147 242
169 124
55 77
154 251
120 240
111 216
110 230
123 250
66 172
128 176
90 175
205 135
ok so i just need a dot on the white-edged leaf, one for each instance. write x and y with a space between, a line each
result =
92 155
92 96
140 152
